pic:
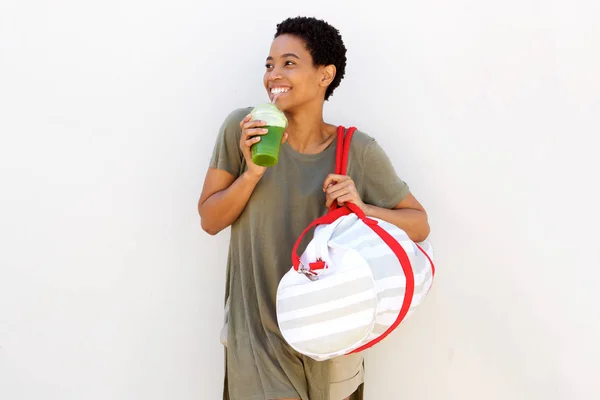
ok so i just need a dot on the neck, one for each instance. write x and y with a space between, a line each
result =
307 131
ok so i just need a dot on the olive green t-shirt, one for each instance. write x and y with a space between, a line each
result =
289 196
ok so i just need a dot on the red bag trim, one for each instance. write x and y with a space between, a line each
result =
410 283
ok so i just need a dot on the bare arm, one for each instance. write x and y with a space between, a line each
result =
408 215
224 198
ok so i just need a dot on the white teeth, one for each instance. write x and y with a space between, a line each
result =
279 90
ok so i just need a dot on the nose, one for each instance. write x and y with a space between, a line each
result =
274 74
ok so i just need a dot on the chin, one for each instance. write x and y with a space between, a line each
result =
284 106
289 104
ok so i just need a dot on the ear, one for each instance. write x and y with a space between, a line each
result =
327 75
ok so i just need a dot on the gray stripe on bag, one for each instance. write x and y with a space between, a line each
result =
400 292
365 244
395 292
388 265
319 297
428 273
329 315
369 239
421 264
325 344
385 266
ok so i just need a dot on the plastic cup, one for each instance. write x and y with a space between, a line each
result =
266 152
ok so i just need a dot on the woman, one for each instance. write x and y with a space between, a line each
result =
268 208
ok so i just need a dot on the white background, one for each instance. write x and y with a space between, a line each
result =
108 113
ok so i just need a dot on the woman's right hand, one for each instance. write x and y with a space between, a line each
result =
251 134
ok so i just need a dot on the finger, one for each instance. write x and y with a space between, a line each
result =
334 195
334 178
253 124
348 198
255 132
337 177
252 141
328 201
346 193
246 119
335 192
346 186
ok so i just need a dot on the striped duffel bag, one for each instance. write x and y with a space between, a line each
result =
357 280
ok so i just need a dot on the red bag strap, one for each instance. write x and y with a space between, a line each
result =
344 139
341 165
339 149
342 151
346 153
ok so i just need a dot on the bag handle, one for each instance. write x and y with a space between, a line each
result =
341 166
342 152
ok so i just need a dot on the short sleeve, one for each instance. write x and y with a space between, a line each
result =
227 154
382 185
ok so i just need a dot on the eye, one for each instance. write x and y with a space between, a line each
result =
289 63
268 66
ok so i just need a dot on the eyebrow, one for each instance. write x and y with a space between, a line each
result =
284 55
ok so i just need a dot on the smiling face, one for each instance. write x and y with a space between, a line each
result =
291 74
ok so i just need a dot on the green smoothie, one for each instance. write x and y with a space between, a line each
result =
266 152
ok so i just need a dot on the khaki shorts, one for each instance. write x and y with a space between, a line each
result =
347 374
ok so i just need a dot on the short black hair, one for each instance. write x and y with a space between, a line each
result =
323 42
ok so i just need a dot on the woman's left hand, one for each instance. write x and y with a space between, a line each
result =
341 188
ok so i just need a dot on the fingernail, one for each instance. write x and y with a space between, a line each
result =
265 130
